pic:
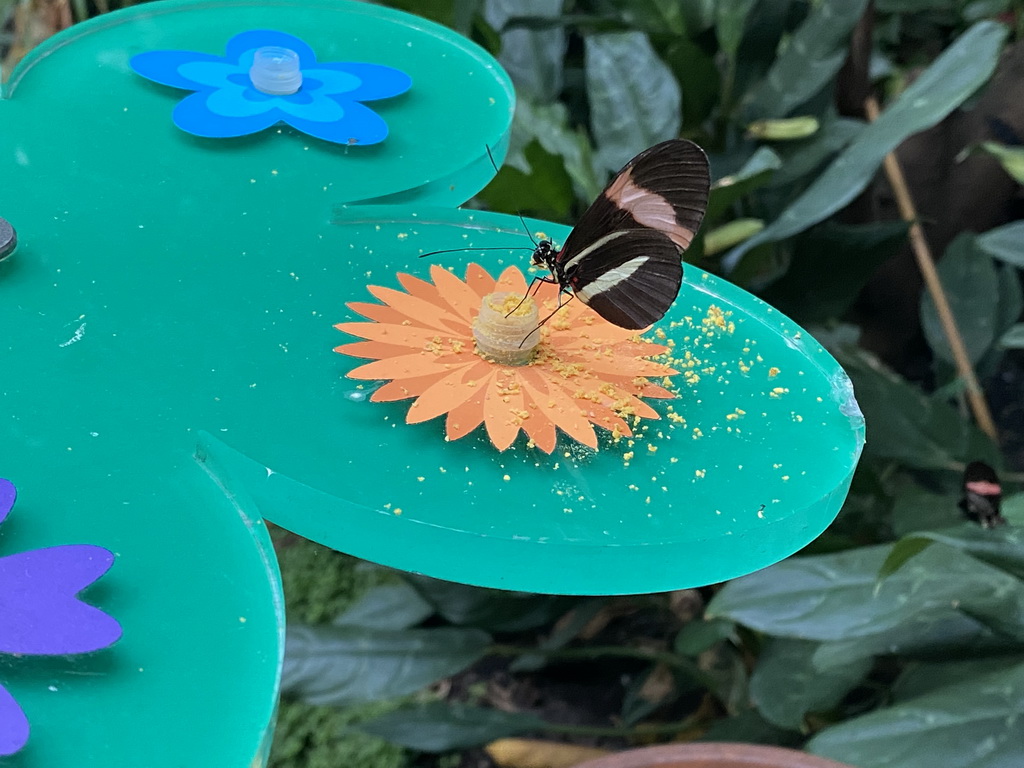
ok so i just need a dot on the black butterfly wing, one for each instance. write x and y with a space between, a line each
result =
630 276
665 188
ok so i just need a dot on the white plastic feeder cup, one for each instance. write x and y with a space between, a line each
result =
275 71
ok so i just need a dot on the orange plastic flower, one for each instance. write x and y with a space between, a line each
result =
587 371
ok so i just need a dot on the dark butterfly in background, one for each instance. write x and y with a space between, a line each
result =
982 495
624 256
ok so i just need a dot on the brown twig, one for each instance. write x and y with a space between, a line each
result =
926 264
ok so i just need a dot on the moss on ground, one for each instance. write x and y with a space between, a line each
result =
321 737
319 584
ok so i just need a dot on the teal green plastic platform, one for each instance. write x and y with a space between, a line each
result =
136 244
703 507
116 135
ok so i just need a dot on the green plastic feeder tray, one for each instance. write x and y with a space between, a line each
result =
134 240
761 467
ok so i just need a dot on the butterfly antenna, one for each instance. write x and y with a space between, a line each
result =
529 234
489 248
494 165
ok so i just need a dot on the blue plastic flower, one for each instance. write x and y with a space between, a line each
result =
226 103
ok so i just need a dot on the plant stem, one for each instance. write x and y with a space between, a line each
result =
926 264
652 729
595 651
677 662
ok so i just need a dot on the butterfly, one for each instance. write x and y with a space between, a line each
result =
624 256
982 495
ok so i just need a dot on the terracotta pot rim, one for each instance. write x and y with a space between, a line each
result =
712 755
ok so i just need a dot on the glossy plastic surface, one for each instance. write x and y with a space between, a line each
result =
725 494
115 127
108 371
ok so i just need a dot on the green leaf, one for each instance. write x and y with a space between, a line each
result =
1009 303
387 606
549 125
634 99
328 665
916 509
784 129
698 15
727 235
786 685
904 424
491 609
1001 547
1013 510
984 9
655 16
756 172
830 264
564 632
928 635
730 23
902 551
763 32
439 726
1005 243
1013 338
973 724
701 634
956 74
804 157
969 279
698 77
1011 158
813 56
748 727
533 58
837 597
924 677
545 191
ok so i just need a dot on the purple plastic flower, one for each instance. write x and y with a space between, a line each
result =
226 103
41 613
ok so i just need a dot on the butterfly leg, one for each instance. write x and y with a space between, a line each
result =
560 305
537 281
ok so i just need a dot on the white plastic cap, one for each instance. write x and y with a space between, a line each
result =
276 71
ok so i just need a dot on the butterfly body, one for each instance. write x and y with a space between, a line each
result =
624 257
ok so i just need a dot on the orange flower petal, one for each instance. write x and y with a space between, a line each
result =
418 311
391 333
616 367
608 368
372 350
603 416
377 312
464 418
640 408
511 280
463 300
503 406
479 280
421 289
403 389
565 412
538 426
447 393
653 390
404 366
